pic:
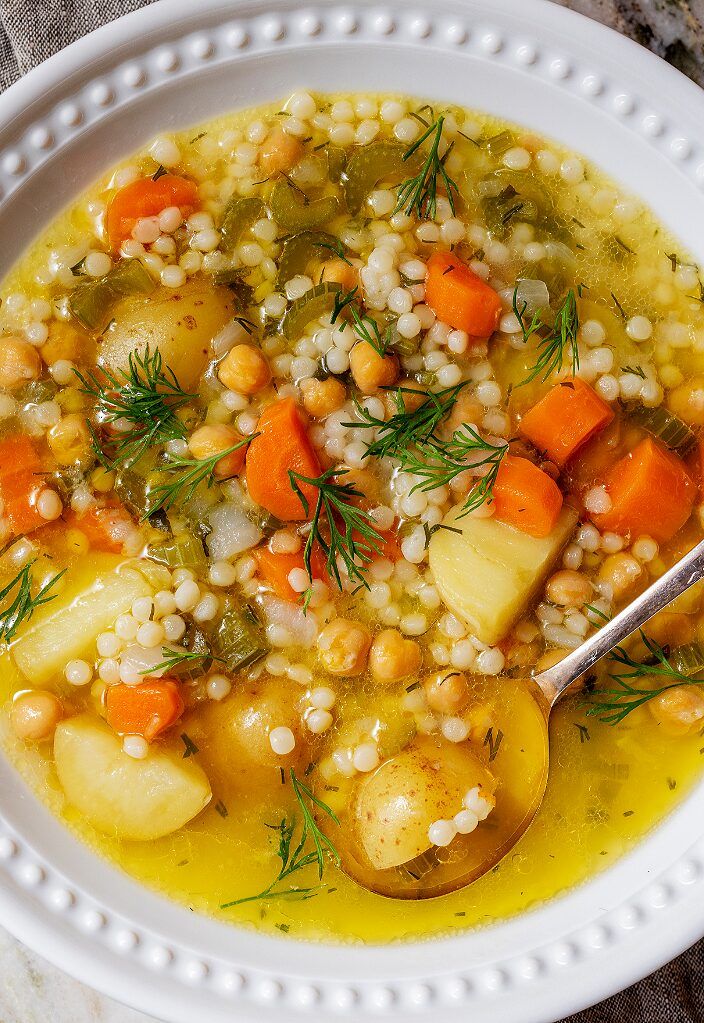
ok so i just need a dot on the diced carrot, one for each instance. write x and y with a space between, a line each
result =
565 419
651 493
147 198
274 569
107 528
283 444
20 484
526 497
146 709
459 297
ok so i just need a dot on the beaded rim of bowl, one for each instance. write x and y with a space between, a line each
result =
540 965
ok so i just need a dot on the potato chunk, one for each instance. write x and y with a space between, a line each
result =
181 324
487 574
396 804
138 800
67 627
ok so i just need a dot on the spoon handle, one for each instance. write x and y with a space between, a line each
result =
687 571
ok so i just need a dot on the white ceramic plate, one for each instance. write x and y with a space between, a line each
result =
177 63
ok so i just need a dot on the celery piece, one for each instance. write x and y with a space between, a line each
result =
664 425
240 214
239 639
294 211
186 551
299 250
92 301
310 306
374 163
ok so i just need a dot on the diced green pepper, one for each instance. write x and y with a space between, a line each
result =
298 251
92 301
240 213
294 211
320 299
239 639
373 163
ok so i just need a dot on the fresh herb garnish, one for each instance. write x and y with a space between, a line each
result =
190 746
406 428
144 398
23 604
335 246
438 462
175 658
613 705
365 327
159 172
557 342
417 196
637 371
191 473
338 527
296 857
493 742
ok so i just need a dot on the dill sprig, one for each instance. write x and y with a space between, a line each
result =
418 195
335 247
145 396
365 327
23 604
295 857
438 462
191 473
406 428
338 527
613 705
557 342
175 658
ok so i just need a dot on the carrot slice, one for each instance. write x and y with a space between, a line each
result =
459 297
147 198
565 419
283 444
526 497
107 528
146 709
20 484
274 568
651 493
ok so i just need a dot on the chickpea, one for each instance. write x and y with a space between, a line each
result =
446 692
64 342
392 657
671 629
337 271
244 369
411 402
279 152
679 711
35 715
210 440
371 370
19 362
343 646
687 401
365 481
622 572
568 588
466 410
321 397
479 720
69 441
550 658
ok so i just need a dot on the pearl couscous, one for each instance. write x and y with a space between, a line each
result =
320 427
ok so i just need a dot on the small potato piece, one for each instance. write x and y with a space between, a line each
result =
343 646
237 729
138 800
35 715
321 397
69 441
371 370
679 711
245 370
446 692
568 588
337 271
209 440
279 152
19 362
181 324
393 657
687 401
621 572
397 803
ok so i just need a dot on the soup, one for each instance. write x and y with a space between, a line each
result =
321 427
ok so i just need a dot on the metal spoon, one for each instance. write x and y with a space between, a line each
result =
438 872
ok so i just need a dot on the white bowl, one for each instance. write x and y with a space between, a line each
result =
175 64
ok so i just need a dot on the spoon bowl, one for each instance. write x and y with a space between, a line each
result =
383 842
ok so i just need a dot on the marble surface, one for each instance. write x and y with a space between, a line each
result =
31 990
